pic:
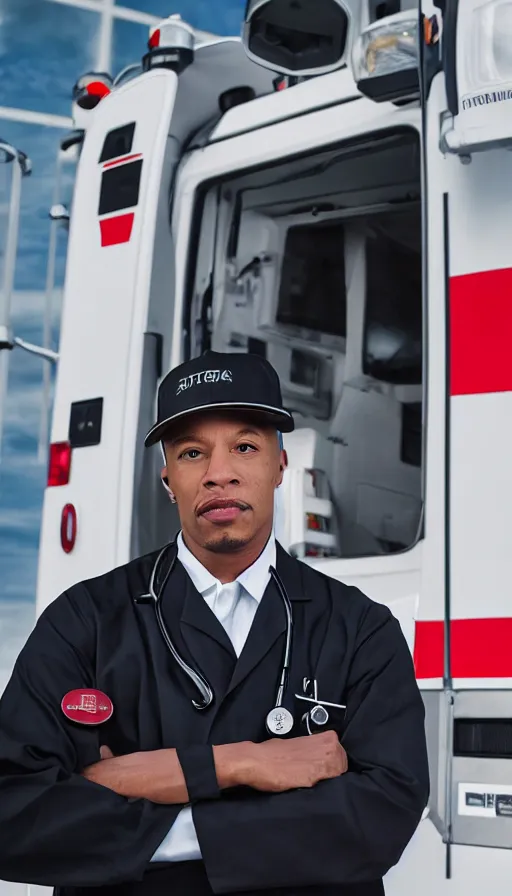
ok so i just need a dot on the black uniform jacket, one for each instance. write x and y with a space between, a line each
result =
58 829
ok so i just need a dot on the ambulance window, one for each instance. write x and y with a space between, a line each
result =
120 187
118 142
312 292
411 434
380 9
393 331
257 347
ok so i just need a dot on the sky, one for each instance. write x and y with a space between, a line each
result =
44 47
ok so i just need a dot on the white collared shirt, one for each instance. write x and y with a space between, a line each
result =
236 612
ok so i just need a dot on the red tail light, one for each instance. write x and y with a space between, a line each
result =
68 527
59 466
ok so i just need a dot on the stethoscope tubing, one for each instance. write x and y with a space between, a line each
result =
199 681
202 685
289 633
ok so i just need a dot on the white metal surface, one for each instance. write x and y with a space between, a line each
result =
102 341
330 90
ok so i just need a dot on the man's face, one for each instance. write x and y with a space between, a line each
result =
223 470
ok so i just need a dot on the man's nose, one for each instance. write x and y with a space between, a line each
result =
221 470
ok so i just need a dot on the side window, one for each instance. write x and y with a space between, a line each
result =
393 325
312 290
120 187
379 9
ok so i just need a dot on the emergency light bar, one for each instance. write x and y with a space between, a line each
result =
171 45
478 51
297 37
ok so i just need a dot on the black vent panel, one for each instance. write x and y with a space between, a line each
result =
483 738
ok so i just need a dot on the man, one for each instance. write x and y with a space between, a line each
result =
176 785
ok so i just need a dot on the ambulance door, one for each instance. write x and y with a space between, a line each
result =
284 152
117 297
464 633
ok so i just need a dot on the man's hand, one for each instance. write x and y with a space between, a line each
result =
278 765
154 776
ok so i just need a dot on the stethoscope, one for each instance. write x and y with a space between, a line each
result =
279 721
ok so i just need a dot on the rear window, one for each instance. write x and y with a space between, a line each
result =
120 187
118 142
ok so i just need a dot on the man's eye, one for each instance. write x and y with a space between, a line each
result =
244 448
191 453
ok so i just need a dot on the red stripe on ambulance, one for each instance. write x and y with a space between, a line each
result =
480 327
122 160
116 230
480 648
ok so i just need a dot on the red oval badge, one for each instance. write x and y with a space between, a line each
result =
87 707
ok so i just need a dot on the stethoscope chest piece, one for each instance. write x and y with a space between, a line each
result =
279 721
319 715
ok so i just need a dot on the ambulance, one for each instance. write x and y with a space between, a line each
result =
333 191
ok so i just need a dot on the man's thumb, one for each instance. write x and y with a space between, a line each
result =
106 753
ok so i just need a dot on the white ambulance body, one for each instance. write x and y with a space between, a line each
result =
355 229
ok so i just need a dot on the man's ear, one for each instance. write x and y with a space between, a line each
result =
283 463
165 483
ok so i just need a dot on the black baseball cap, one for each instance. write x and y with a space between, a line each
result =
220 381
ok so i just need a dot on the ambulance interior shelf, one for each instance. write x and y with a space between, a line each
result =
330 292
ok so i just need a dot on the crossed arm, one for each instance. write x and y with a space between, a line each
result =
273 766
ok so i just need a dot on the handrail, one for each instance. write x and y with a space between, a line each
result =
22 167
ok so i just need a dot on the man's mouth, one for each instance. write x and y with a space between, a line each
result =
222 510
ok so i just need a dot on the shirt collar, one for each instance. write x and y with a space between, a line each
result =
254 579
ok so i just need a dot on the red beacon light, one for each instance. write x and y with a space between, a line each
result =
170 45
90 89
154 38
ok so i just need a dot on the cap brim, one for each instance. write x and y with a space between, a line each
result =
278 417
